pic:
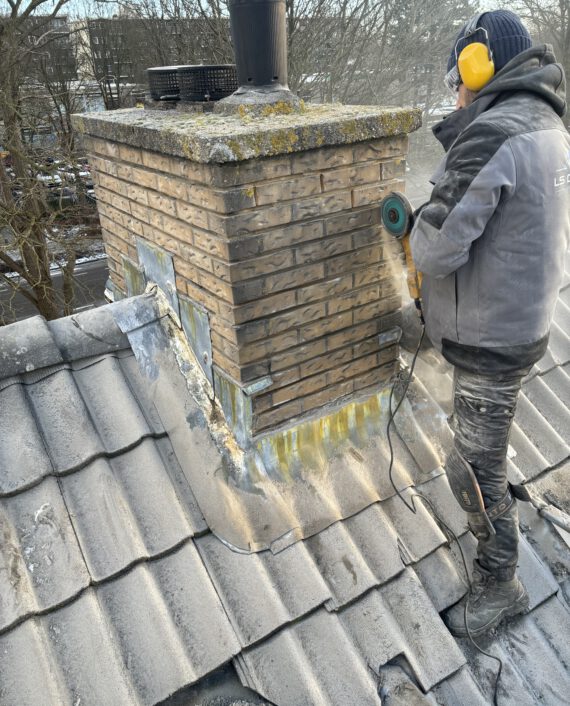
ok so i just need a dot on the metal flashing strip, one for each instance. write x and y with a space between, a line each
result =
196 325
158 267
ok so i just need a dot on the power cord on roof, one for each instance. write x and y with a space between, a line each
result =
412 507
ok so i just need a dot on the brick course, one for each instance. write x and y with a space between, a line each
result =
285 253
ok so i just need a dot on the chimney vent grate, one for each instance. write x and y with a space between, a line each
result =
207 83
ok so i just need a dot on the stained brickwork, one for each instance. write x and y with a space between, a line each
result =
285 253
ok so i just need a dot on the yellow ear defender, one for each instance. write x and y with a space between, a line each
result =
476 66
475 62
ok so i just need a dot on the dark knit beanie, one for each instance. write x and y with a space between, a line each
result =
507 35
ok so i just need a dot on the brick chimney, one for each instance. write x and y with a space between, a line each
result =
264 232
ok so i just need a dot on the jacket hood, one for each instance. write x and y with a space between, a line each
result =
534 70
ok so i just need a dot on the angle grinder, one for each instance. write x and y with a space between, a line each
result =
397 217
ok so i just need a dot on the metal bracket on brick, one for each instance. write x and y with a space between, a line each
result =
393 335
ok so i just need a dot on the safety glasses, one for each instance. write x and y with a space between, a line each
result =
452 80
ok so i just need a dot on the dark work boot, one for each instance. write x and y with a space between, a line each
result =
488 603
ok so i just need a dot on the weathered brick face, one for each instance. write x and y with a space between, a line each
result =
285 253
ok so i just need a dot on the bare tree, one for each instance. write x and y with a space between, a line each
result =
550 21
37 210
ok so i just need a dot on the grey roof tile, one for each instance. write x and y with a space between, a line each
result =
311 662
27 677
133 641
423 427
111 405
554 486
67 429
23 457
39 553
558 380
418 532
201 621
152 636
528 459
545 541
399 618
124 509
534 574
565 292
377 541
87 334
562 314
535 658
440 496
342 564
459 689
549 400
558 352
84 655
442 573
539 432
261 592
181 487
27 345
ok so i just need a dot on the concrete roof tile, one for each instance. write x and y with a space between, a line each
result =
529 461
112 407
460 688
558 380
67 429
536 576
261 592
442 573
311 662
440 496
538 430
42 562
419 533
103 519
84 655
387 622
550 395
341 564
535 658
128 497
27 677
377 541
201 620
146 635
23 457
87 334
27 345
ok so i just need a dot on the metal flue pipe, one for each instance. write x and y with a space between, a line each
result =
260 43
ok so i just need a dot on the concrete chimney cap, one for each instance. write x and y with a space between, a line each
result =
233 138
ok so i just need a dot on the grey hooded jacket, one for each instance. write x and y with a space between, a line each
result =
492 239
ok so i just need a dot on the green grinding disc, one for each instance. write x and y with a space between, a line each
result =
396 213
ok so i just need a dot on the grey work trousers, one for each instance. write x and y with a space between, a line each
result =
483 411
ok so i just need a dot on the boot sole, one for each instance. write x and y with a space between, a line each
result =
520 606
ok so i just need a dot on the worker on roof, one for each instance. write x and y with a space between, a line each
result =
491 243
